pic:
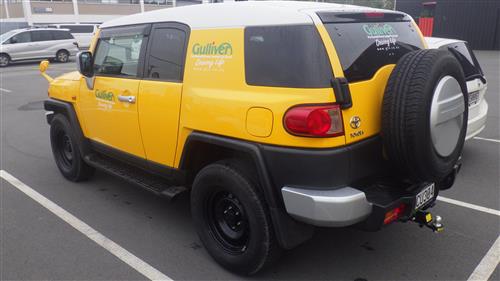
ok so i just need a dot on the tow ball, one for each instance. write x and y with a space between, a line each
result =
426 219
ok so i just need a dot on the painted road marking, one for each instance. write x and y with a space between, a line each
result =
5 90
486 139
488 264
468 205
115 249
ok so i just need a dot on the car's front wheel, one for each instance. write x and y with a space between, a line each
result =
232 219
66 151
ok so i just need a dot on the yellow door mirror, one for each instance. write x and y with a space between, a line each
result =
44 65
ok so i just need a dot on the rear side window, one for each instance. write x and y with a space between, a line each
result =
79 28
61 35
364 44
41 35
286 56
118 55
167 54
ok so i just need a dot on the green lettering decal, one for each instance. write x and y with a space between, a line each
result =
103 95
223 49
379 29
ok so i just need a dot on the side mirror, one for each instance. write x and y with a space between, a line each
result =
85 64
44 65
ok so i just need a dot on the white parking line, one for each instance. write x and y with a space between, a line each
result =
488 264
5 90
115 249
469 205
486 139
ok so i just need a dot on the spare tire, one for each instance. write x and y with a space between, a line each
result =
424 115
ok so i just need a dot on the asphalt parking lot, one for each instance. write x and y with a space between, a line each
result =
137 235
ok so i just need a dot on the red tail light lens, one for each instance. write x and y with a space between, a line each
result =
315 121
394 214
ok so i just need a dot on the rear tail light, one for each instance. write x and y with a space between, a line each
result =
394 214
315 121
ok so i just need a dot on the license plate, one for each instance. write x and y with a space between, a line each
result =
424 196
473 98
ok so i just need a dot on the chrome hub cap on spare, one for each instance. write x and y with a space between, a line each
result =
447 115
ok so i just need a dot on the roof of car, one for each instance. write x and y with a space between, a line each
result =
236 14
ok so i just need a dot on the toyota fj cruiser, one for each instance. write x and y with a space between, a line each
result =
277 117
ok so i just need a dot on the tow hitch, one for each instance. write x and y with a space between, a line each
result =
424 218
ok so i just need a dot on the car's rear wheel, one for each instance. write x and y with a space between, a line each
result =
62 56
425 113
66 151
232 219
4 60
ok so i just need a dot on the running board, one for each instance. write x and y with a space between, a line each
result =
134 175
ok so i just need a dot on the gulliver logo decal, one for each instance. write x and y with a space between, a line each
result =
211 56
103 95
384 34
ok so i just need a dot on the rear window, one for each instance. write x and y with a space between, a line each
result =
286 56
61 35
368 41
79 28
467 59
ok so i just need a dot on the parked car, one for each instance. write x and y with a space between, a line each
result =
283 117
34 44
83 33
476 82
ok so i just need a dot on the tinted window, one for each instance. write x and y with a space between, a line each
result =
79 28
466 57
118 55
286 56
41 35
61 35
167 53
23 37
364 47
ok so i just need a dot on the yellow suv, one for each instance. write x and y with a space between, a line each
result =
277 117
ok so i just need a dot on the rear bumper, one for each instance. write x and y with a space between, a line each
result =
477 119
365 206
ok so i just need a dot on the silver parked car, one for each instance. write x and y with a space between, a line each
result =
36 43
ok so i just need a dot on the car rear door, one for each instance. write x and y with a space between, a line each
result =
160 91
42 44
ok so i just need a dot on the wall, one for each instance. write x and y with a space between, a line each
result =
476 21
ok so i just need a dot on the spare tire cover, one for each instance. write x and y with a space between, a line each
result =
424 115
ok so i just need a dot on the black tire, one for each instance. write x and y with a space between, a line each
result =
66 152
223 187
4 60
406 113
62 56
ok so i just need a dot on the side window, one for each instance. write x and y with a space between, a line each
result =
23 37
61 35
41 35
118 55
286 56
167 54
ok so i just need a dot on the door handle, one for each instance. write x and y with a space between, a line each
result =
129 99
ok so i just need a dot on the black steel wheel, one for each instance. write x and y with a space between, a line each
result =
66 151
232 218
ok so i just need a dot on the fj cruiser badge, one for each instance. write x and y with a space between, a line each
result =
355 122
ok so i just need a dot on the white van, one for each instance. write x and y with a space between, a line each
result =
83 33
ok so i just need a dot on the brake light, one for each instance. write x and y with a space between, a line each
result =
315 121
374 15
394 214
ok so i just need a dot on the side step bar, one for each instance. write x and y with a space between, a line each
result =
137 176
